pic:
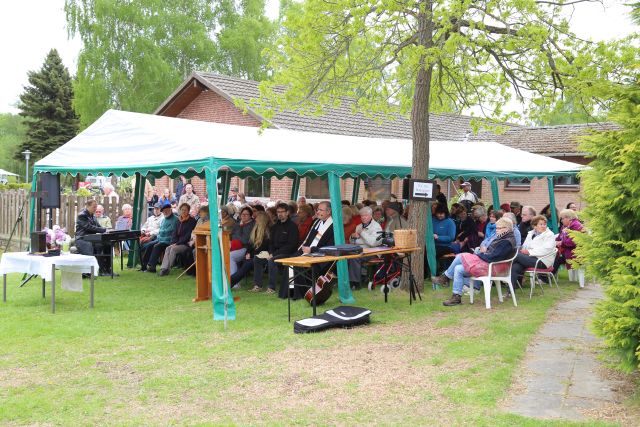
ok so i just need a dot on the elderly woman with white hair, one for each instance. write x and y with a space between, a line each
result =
465 265
365 235
109 191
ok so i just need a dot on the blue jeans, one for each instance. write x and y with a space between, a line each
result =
458 274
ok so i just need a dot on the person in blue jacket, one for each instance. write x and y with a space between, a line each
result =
444 231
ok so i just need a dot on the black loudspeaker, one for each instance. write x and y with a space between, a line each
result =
50 190
38 242
405 188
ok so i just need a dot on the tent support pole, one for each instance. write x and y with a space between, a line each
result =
430 243
32 201
344 289
356 190
552 205
217 292
495 193
295 188
138 201
225 178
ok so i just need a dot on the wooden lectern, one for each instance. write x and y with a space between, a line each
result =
203 261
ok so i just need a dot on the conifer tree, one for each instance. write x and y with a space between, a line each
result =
46 105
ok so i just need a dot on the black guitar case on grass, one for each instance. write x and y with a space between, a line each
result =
339 317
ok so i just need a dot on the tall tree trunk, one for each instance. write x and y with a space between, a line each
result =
420 128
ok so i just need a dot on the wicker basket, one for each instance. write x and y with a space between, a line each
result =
405 238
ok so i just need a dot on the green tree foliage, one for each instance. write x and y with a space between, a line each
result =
135 53
611 249
245 33
12 132
567 112
46 105
435 55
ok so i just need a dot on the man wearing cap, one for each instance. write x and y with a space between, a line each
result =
516 208
151 251
395 221
151 228
467 197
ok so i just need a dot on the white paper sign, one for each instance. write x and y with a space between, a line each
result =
423 190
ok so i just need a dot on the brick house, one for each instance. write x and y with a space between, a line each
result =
210 97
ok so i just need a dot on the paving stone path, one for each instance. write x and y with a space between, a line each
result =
561 376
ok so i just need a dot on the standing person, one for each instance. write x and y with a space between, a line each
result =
166 197
441 198
153 249
538 245
283 243
468 198
109 191
152 199
103 220
180 187
189 197
86 224
233 195
179 240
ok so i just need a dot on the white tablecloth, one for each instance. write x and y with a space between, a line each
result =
22 262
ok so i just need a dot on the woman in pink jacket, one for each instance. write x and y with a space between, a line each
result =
564 242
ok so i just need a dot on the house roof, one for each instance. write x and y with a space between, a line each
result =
339 120
560 140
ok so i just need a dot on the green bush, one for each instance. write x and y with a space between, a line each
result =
611 249
15 186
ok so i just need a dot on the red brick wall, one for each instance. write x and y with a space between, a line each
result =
211 107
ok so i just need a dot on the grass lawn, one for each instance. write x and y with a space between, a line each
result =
147 355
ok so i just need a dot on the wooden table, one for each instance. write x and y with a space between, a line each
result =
308 261
203 262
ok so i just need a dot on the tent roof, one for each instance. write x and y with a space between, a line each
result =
124 143
4 172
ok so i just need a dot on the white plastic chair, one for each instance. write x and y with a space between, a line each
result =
540 269
576 274
491 278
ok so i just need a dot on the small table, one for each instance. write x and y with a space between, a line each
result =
307 261
45 267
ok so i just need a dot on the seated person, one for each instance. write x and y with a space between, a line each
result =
283 243
258 243
305 220
202 223
539 245
166 197
378 214
152 250
180 239
320 235
565 244
349 225
444 231
240 238
490 229
366 235
151 227
226 217
189 197
466 265
124 222
394 221
86 224
103 220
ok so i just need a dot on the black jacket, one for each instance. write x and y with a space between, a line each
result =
182 232
525 228
326 239
86 223
284 238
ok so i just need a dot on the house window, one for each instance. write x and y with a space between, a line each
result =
518 183
257 187
569 181
377 188
317 188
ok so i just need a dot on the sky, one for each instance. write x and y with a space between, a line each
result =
30 28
